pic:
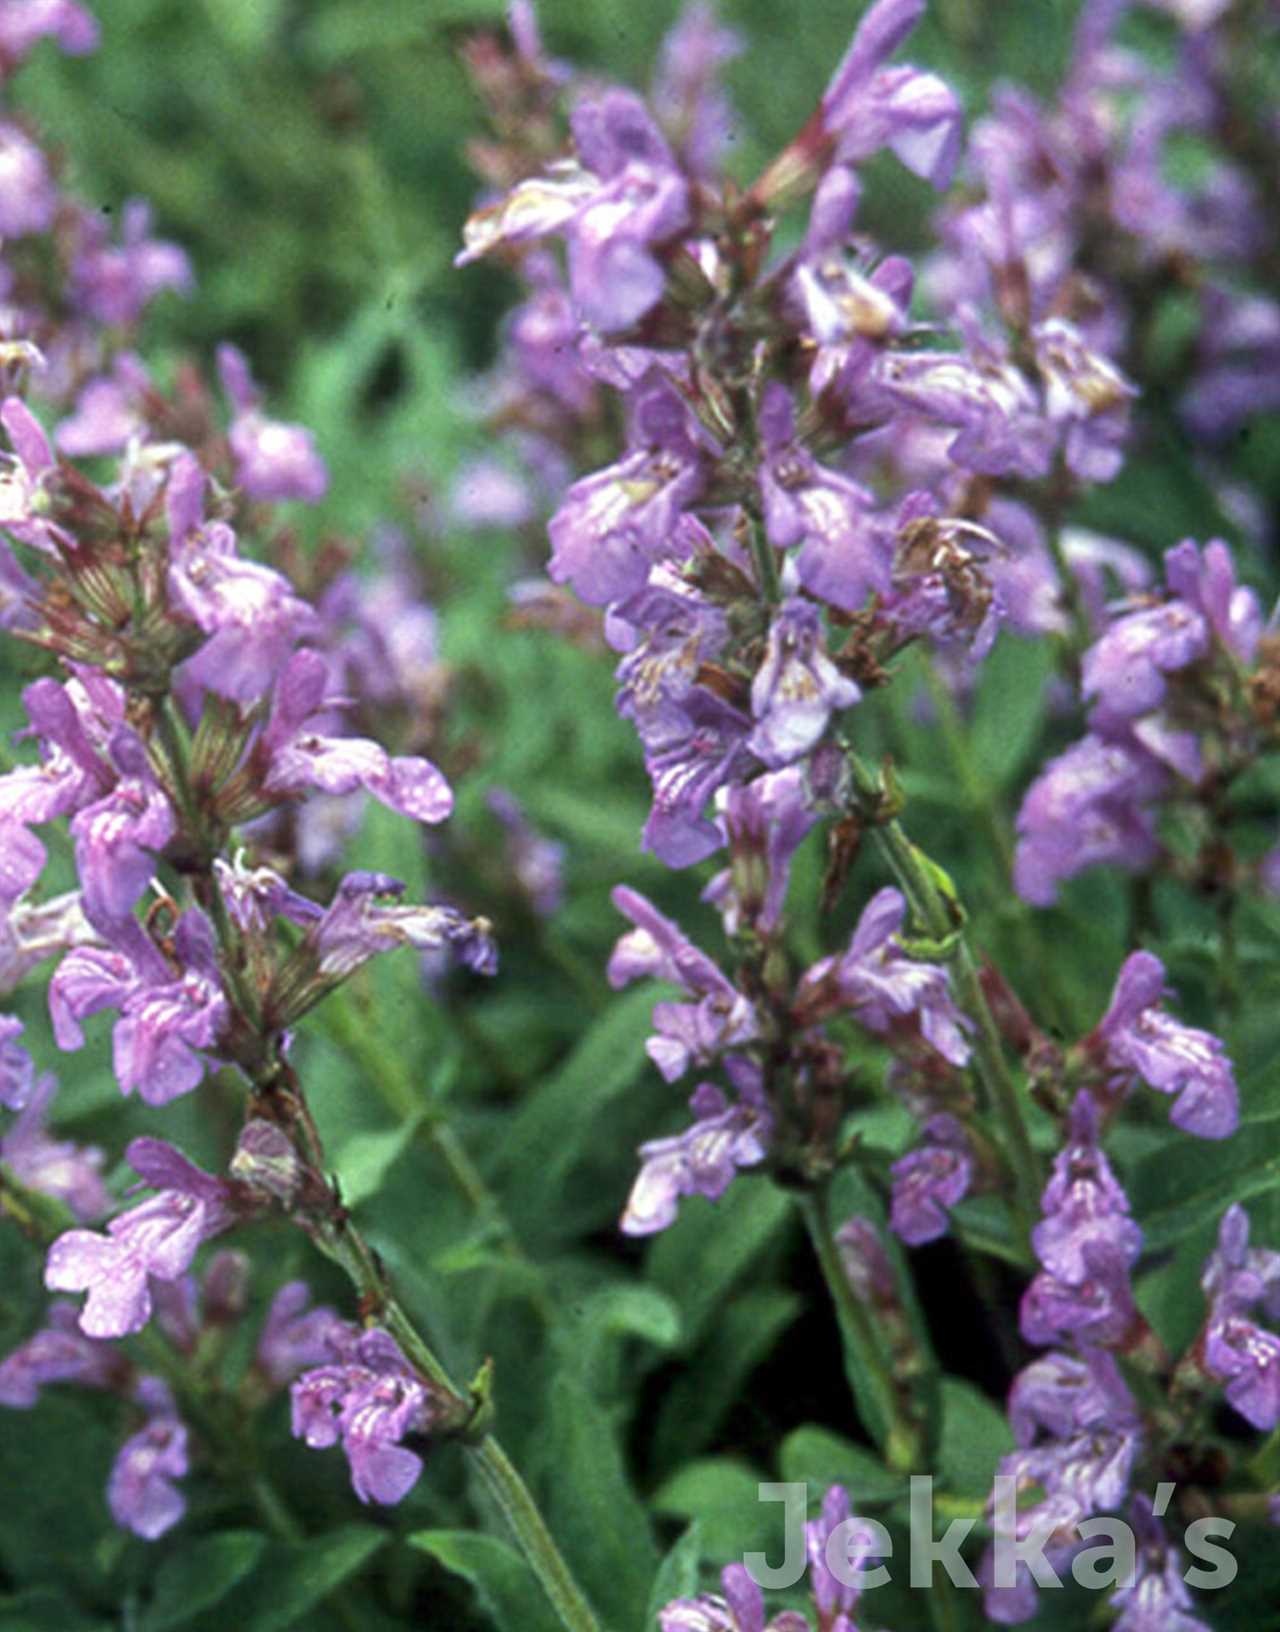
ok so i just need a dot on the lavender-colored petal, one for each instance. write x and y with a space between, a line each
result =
140 1492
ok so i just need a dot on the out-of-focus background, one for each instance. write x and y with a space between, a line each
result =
308 154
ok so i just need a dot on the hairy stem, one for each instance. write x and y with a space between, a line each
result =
918 879
867 1365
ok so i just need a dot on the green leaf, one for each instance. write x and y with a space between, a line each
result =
698 1400
593 1332
364 1160
677 1575
821 1459
293 1579
713 1244
246 25
592 1509
201 1575
975 1435
549 1132
1009 707
1192 1183
507 1588
722 1495
43 1610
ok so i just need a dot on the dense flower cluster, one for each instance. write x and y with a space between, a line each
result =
810 481
193 690
777 466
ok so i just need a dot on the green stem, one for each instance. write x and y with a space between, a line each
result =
866 1365
918 880
280 1094
521 1513
339 1239
762 553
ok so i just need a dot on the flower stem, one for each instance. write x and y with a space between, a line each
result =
921 882
521 1513
867 1367
340 1240
279 1094
766 561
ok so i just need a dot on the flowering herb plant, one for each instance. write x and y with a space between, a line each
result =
829 1064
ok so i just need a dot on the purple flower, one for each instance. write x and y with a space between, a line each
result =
252 618
692 748
867 106
1246 1357
764 823
256 895
686 97
1236 1351
1090 805
1000 420
295 1338
1157 1599
17 1070
844 553
1060 1395
1094 1310
1086 396
844 308
117 840
740 1609
797 687
158 1238
1079 1434
688 1033
114 285
140 1491
272 460
59 1353
624 199
369 1398
300 759
109 411
28 197
24 22
1126 669
1082 1203
31 932
357 927
543 336
667 631
614 274
930 1180
1238 373
614 525
25 479
833 1597
80 728
883 986
72 1173
169 1016
703 1160
1208 583
1137 1038
1238 1273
